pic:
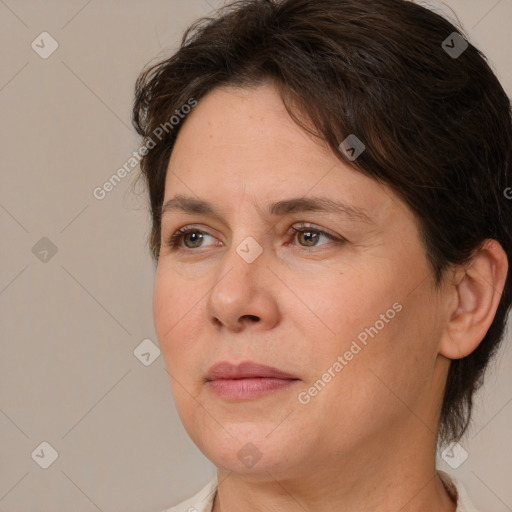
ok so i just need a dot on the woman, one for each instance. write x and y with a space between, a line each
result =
332 241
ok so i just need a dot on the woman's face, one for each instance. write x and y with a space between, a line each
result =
344 307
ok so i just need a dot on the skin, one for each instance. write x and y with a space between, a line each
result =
367 440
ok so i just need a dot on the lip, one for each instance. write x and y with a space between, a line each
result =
246 380
245 370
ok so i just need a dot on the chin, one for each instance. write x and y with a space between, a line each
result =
250 450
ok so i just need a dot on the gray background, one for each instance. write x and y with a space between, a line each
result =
72 320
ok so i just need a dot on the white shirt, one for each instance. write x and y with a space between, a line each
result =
203 500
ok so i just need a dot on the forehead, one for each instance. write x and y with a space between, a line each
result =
243 143
245 124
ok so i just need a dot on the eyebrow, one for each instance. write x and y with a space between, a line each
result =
192 205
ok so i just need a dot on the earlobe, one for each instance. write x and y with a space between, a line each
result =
478 291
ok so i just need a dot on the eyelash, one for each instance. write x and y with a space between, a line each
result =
177 237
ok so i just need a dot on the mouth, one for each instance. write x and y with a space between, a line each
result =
247 380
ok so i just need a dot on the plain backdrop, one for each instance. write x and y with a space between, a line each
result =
79 365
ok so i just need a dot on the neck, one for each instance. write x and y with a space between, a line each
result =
401 479
250 498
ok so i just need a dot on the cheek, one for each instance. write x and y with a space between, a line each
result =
398 355
164 296
174 306
174 299
381 379
343 305
375 318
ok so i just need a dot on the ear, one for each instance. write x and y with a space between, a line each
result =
477 290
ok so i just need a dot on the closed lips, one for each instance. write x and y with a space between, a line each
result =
245 370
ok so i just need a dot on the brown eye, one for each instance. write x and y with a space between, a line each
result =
193 239
188 238
308 238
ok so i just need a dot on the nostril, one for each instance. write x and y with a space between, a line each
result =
253 318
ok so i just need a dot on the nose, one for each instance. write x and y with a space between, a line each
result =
245 296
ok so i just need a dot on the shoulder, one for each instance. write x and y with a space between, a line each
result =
457 490
200 502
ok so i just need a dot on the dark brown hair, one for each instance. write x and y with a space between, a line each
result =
436 126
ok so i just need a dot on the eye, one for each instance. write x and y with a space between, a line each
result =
191 237
309 236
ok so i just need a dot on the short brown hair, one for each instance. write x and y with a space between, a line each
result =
437 127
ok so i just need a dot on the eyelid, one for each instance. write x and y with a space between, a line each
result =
308 225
